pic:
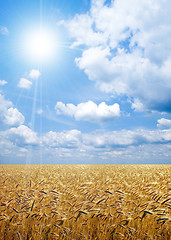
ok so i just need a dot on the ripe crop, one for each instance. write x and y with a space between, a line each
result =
85 202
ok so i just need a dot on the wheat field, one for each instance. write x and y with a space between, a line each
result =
85 202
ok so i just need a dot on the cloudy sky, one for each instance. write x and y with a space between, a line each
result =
85 81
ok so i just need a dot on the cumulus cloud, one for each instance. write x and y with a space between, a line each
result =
163 122
125 138
9 115
4 103
13 117
66 139
128 145
23 135
137 105
24 83
128 49
34 74
108 140
4 30
3 82
105 143
97 139
89 111
83 24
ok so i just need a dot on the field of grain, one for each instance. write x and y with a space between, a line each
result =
85 202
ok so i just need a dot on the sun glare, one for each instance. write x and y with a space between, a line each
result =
40 45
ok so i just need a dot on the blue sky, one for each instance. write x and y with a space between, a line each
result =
85 82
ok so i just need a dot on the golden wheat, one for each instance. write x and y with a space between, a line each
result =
85 202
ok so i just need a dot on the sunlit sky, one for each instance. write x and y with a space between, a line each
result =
85 82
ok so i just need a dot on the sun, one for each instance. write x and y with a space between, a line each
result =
40 45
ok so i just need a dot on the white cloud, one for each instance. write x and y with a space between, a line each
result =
9 115
83 23
125 138
34 74
163 122
66 139
23 135
130 146
4 30
3 82
4 104
39 111
137 105
105 140
13 117
24 83
128 49
89 111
